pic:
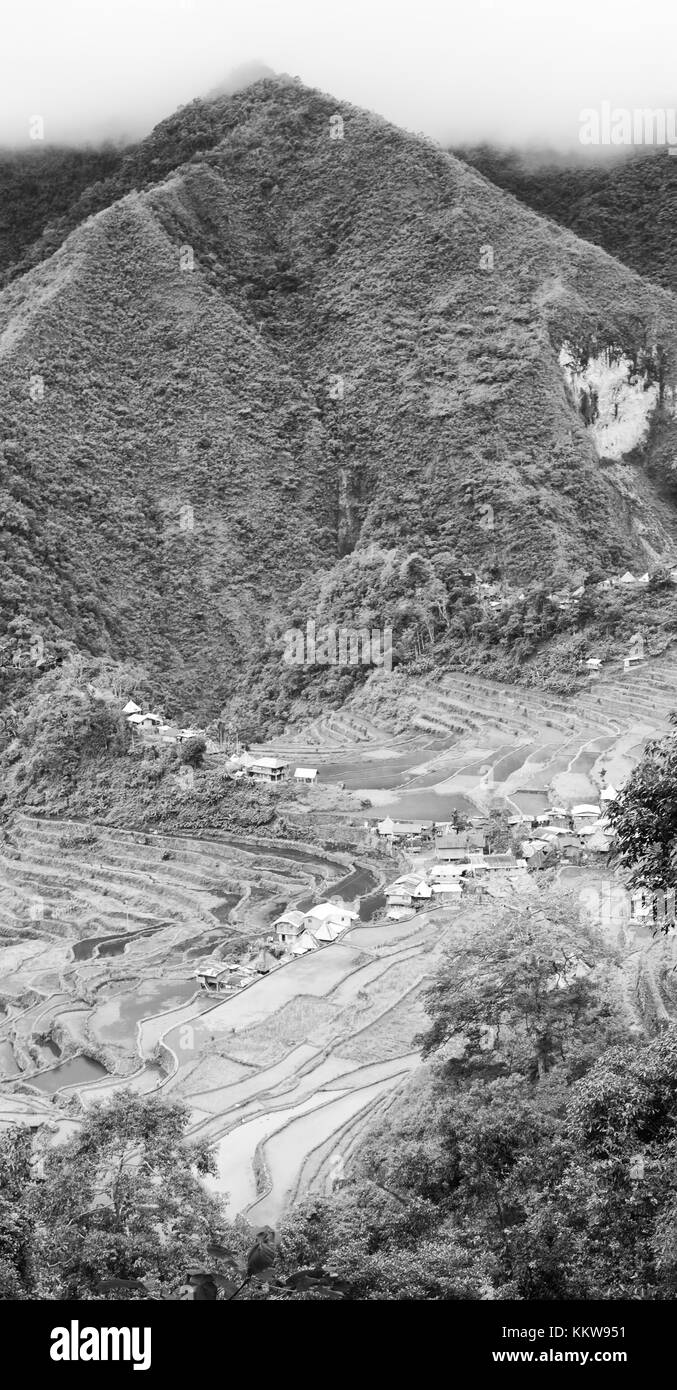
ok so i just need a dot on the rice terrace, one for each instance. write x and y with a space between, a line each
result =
338 673
285 1075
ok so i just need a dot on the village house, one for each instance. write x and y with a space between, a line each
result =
333 913
151 722
289 926
503 862
320 926
326 933
216 979
304 943
585 811
408 891
267 770
448 871
212 978
532 845
406 832
458 845
305 774
453 856
571 849
448 893
599 842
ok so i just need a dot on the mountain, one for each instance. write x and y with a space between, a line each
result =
304 364
39 185
628 206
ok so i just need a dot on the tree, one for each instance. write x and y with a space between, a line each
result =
16 1221
516 996
644 818
193 751
123 1199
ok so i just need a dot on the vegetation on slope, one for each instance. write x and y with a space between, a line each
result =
536 1161
628 205
644 820
39 186
69 751
288 382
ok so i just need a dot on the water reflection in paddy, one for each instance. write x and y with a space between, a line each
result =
75 1072
115 1021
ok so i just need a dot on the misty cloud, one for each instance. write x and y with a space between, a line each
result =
508 70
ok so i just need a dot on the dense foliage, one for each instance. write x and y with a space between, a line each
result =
230 407
644 818
120 1198
535 1160
626 204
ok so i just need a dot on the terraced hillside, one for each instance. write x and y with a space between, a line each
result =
424 746
286 1074
284 1077
99 927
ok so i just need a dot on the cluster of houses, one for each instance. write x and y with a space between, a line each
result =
154 729
577 835
566 598
457 862
217 978
461 865
500 595
634 657
299 932
295 931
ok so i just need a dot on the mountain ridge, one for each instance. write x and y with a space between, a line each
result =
283 382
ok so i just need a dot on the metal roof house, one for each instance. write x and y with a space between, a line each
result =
403 829
217 978
267 769
338 916
289 926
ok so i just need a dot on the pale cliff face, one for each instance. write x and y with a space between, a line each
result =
616 402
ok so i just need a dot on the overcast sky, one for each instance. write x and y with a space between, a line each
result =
509 70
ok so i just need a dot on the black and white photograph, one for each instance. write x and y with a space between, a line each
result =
338 673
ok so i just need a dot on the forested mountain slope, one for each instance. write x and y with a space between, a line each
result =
303 375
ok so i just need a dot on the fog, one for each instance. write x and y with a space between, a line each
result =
512 71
